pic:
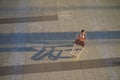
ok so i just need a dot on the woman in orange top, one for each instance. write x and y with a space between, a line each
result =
81 38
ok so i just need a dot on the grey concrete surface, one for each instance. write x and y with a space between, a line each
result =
36 38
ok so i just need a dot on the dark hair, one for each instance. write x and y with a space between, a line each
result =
82 31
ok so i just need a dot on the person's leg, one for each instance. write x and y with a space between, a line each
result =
81 49
73 49
78 50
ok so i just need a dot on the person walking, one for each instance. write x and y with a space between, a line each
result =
79 41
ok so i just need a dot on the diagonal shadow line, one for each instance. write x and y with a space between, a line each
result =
39 55
59 66
28 19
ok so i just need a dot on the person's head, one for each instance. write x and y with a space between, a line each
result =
83 31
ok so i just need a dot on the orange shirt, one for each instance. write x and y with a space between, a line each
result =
81 37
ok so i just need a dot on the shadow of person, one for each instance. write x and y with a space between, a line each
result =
44 53
41 54
53 57
38 55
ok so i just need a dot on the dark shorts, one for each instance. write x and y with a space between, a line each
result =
78 42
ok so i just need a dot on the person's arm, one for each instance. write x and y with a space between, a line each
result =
83 38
